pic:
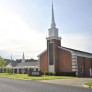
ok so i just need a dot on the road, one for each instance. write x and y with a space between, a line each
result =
14 85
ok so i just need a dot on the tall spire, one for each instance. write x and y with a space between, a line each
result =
53 31
53 25
23 58
11 58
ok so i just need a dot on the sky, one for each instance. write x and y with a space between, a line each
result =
24 26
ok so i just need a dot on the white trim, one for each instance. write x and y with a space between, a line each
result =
53 32
51 68
26 67
74 60
13 71
75 54
39 62
9 65
18 70
54 37
74 69
82 54
54 57
90 71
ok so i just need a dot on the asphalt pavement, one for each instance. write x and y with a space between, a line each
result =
77 82
15 85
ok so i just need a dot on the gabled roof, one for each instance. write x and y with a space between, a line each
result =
13 64
70 49
74 50
9 65
27 64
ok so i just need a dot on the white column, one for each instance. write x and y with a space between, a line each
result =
22 71
13 71
90 72
18 70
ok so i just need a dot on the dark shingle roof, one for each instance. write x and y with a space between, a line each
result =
13 64
75 50
27 64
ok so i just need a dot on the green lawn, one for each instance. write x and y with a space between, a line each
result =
26 77
89 84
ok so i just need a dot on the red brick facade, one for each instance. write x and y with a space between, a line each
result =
64 60
84 66
44 62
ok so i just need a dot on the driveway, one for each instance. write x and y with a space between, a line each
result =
78 82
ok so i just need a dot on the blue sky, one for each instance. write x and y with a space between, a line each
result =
24 25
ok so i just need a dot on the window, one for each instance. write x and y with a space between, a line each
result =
51 54
91 64
81 69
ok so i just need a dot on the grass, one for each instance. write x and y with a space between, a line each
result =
89 84
26 77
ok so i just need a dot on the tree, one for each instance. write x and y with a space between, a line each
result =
9 70
18 60
2 62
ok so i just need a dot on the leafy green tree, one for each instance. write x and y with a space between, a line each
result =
2 62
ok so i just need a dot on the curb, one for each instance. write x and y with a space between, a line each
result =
87 86
15 78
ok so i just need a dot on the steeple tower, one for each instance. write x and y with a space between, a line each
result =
53 41
23 58
53 31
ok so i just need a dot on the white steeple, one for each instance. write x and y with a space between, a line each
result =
23 58
53 31
53 25
11 58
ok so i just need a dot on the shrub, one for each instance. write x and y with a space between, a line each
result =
66 73
8 70
48 73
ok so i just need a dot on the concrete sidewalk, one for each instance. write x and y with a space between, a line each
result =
69 82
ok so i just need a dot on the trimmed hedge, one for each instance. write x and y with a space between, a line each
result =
60 73
66 73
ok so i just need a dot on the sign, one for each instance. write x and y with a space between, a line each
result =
35 73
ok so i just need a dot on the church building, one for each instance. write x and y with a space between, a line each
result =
62 60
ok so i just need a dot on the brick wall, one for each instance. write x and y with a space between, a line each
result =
85 63
44 62
64 61
56 43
